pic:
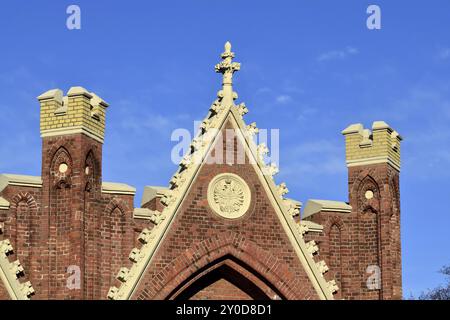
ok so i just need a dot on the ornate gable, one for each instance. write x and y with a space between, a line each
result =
227 214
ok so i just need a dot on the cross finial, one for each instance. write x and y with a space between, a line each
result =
227 67
228 47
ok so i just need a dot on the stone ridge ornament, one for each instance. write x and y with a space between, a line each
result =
229 195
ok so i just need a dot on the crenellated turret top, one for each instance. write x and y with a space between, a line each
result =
78 111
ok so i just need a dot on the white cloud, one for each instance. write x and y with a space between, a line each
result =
337 54
306 113
155 122
316 158
284 98
444 54
423 114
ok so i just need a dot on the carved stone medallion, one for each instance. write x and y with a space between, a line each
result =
229 196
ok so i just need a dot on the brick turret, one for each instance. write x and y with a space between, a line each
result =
373 161
361 238
72 131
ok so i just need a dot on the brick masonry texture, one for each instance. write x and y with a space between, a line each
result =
199 238
382 142
79 113
70 222
3 292
369 235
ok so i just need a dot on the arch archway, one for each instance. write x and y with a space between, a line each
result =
273 272
227 278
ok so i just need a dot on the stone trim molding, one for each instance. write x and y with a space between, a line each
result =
312 226
117 188
19 180
4 204
151 192
373 160
144 213
10 272
294 206
71 130
314 206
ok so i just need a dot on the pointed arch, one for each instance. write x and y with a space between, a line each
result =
395 195
90 170
369 233
365 204
89 222
111 246
22 228
336 233
335 258
61 179
264 265
224 279
394 239
60 213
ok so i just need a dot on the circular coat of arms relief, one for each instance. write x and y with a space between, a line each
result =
229 195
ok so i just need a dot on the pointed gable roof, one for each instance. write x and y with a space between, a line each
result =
222 111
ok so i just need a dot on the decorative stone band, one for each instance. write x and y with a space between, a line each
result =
117 188
152 192
322 266
332 286
10 272
154 216
142 213
293 206
374 160
4 204
72 130
315 206
19 180
311 226
312 247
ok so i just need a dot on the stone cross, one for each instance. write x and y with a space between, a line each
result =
227 67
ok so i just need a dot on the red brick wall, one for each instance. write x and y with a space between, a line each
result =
369 235
227 279
221 289
60 224
64 203
334 260
70 222
198 238
22 226
3 292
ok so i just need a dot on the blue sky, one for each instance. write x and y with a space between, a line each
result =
309 68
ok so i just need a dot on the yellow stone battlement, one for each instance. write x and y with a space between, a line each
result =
78 112
363 147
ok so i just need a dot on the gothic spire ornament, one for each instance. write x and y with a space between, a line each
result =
227 67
